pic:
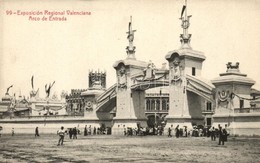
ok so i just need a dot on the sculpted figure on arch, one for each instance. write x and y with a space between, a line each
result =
175 69
122 77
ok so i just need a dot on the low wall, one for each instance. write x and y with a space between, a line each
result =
47 126
247 124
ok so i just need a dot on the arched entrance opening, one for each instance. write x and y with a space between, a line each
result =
152 120
156 120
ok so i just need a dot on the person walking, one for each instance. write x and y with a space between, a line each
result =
12 131
225 134
177 130
1 128
169 132
36 132
94 131
74 131
221 136
85 131
185 131
213 134
61 133
89 130
70 133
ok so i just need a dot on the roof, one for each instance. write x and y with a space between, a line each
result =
233 78
131 62
232 75
187 52
7 97
92 92
202 80
158 90
255 92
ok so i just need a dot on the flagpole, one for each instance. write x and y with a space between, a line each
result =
186 30
186 9
233 123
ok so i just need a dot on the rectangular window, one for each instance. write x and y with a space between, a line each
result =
193 71
208 106
209 121
241 103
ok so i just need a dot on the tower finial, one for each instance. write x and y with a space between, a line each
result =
185 37
130 50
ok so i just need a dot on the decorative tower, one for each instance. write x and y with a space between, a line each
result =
232 97
129 103
97 80
185 64
97 85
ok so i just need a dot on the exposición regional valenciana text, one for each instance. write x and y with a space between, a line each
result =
51 13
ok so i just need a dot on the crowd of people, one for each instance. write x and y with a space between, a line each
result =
197 131
155 131
73 132
221 133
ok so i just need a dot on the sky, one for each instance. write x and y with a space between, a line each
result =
65 51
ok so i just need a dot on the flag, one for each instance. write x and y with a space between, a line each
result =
183 9
130 24
129 27
32 82
9 88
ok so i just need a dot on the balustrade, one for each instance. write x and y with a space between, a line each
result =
247 110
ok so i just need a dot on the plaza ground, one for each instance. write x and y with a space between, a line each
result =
108 148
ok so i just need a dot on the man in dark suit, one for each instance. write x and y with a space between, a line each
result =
221 136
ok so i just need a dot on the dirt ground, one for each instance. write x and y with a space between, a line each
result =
107 148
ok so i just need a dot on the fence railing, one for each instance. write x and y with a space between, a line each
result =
246 110
156 111
208 111
45 117
157 95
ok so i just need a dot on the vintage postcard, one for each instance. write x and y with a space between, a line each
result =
136 81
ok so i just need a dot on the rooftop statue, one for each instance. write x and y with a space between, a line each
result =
233 67
8 89
48 90
130 49
185 37
33 93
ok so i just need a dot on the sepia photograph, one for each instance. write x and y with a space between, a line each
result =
129 81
